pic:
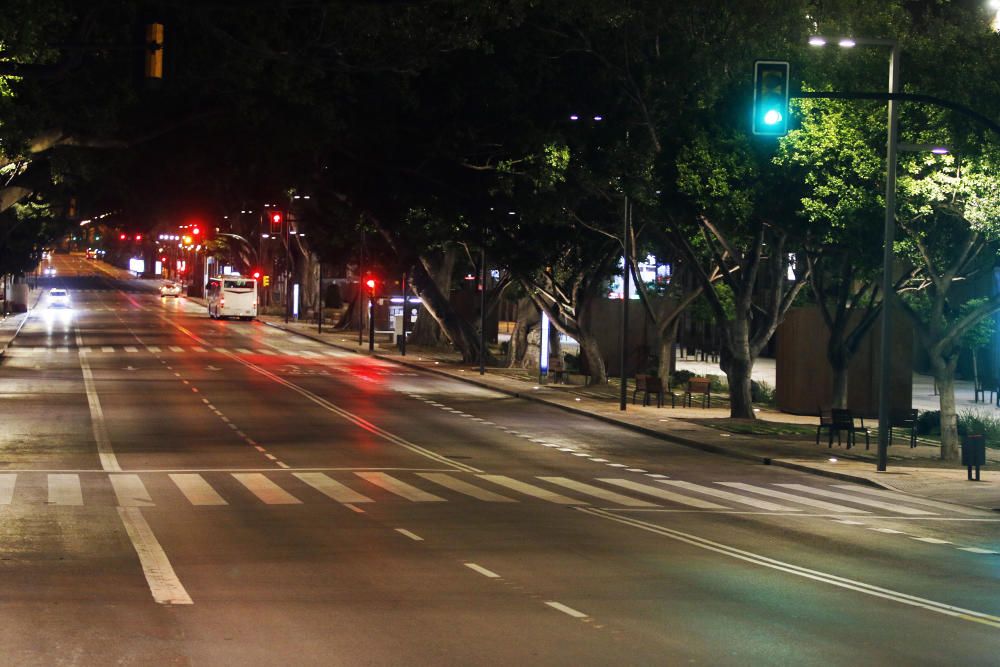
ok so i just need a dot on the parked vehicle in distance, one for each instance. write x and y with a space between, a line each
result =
232 296
58 298
170 289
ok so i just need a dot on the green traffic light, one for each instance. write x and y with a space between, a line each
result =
772 117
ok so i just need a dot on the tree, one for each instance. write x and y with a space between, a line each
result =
949 213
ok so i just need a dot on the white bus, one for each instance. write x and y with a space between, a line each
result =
232 296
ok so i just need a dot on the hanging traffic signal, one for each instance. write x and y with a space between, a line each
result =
770 98
276 218
371 285
154 51
122 237
256 275
196 231
138 237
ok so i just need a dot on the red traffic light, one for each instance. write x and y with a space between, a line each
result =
138 237
256 275
371 283
121 237
276 217
196 231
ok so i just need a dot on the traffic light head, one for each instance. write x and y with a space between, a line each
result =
121 237
770 98
276 219
138 237
256 275
196 231
371 284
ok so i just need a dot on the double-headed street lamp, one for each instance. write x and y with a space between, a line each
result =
888 254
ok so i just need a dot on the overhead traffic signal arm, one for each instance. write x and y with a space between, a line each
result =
770 98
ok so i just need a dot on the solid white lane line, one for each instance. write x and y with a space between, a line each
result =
977 550
107 348
268 492
176 348
332 488
848 522
65 490
412 536
400 488
891 507
931 540
7 482
732 497
598 492
109 462
196 489
564 609
815 575
462 486
658 492
810 502
163 582
131 491
152 348
482 570
531 490
888 531
902 497
131 348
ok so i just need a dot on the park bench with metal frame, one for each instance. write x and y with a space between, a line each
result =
651 384
701 387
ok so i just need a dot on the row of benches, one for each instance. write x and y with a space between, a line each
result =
652 385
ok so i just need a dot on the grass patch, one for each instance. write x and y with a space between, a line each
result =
761 427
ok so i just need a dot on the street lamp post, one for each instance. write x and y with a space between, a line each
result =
889 232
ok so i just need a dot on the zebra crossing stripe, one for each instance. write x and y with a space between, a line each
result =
902 497
262 487
332 488
65 490
243 350
531 490
393 485
308 353
198 348
461 486
107 348
598 492
663 494
152 348
7 488
732 497
175 348
131 492
131 348
810 502
891 507
196 489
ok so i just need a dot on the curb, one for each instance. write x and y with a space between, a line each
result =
675 439
3 350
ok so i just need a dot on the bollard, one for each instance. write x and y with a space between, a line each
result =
973 453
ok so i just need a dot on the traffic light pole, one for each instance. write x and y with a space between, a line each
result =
622 374
406 314
371 321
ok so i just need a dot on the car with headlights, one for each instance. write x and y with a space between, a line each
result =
49 271
170 289
58 298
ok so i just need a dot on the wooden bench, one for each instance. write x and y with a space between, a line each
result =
702 387
904 419
651 384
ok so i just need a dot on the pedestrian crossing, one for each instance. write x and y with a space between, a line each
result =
220 488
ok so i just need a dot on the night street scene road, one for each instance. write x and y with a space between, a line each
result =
440 332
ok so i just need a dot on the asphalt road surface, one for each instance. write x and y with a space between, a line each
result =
179 490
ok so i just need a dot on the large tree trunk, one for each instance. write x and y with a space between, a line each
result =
944 375
666 366
591 353
427 331
527 317
737 362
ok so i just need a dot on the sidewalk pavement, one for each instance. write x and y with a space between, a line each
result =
917 471
10 325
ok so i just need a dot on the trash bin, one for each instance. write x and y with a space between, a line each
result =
973 453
